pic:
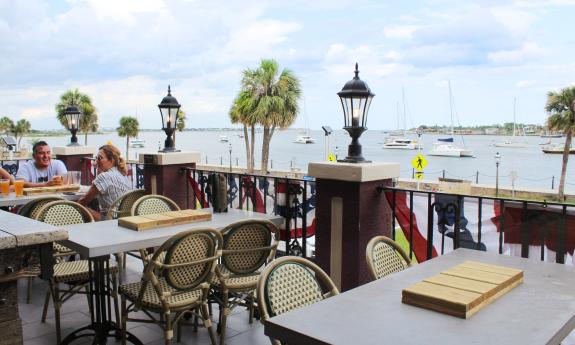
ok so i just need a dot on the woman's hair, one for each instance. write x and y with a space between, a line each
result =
113 154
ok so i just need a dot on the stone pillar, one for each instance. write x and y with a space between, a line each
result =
163 175
350 210
75 159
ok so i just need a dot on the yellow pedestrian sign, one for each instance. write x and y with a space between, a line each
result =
331 157
419 162
419 175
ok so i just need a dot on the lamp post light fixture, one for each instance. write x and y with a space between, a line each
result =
73 114
355 99
497 161
169 108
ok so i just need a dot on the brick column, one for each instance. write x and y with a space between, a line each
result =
163 175
350 211
74 157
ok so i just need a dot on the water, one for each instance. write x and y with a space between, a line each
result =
533 167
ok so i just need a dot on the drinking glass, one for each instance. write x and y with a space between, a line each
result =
19 186
5 186
74 177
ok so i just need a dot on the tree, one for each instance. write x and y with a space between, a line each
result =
21 128
6 124
129 128
180 123
242 111
561 108
274 100
89 118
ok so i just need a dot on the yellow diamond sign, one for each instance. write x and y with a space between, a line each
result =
331 157
419 162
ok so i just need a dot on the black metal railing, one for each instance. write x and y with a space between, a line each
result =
527 228
293 199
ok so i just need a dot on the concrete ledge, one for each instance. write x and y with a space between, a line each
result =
358 172
74 150
161 158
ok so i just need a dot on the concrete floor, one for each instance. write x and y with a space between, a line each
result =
75 314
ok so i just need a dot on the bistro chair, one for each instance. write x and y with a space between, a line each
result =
122 206
175 284
248 246
153 203
290 283
384 256
76 274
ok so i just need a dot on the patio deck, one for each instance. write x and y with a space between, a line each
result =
75 314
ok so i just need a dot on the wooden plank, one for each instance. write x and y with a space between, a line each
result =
153 221
441 298
50 190
461 283
482 276
492 268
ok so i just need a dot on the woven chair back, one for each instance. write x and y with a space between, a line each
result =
151 204
248 245
384 256
187 259
63 212
122 206
290 283
31 208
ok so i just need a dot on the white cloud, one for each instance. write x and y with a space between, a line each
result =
527 52
525 83
400 31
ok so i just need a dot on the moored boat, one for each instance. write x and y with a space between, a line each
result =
137 143
556 149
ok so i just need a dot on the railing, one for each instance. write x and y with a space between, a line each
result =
535 229
293 199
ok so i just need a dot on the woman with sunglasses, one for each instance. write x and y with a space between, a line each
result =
111 181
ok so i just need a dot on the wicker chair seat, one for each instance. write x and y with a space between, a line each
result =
60 249
74 271
151 300
236 282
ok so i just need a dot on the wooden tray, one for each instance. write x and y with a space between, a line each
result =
464 289
50 190
158 220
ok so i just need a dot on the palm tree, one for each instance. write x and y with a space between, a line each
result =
89 119
274 98
21 128
6 124
242 111
180 123
129 128
561 108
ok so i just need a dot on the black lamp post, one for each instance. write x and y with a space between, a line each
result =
355 99
497 161
73 114
169 108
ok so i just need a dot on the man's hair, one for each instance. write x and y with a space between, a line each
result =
39 143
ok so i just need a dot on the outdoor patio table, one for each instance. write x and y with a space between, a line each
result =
13 200
98 240
539 311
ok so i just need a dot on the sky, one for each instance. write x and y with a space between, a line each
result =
125 53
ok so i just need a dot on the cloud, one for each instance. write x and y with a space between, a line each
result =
528 51
400 31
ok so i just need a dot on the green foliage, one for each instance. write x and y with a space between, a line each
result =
129 128
21 128
89 118
181 121
6 124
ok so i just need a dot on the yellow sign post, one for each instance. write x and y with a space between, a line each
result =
419 162
331 157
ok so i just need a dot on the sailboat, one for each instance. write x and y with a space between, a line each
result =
303 137
401 142
444 147
512 142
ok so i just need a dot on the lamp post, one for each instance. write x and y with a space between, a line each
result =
497 161
355 99
230 149
72 114
169 108
327 131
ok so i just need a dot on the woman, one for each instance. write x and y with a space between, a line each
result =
111 181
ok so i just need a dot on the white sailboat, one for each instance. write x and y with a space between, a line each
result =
303 137
512 142
401 142
446 148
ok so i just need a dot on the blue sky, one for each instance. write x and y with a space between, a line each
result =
124 53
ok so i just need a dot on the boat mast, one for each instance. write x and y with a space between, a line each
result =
404 114
450 106
514 103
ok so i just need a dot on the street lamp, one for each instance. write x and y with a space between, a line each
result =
230 148
169 108
327 131
355 99
72 114
497 161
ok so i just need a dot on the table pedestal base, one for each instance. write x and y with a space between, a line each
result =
100 333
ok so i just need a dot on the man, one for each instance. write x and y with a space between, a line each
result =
43 171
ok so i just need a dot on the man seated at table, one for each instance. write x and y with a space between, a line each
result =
43 170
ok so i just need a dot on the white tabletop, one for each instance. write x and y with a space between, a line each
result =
18 231
13 200
541 310
107 237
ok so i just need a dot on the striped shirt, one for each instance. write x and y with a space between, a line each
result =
111 184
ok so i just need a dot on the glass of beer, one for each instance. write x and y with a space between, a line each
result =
5 186
19 186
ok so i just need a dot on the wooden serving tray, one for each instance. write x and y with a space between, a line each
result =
464 289
158 220
50 189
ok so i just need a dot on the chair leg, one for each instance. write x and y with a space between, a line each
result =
57 305
224 316
250 302
46 304
29 290
208 323
124 317
168 331
115 296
